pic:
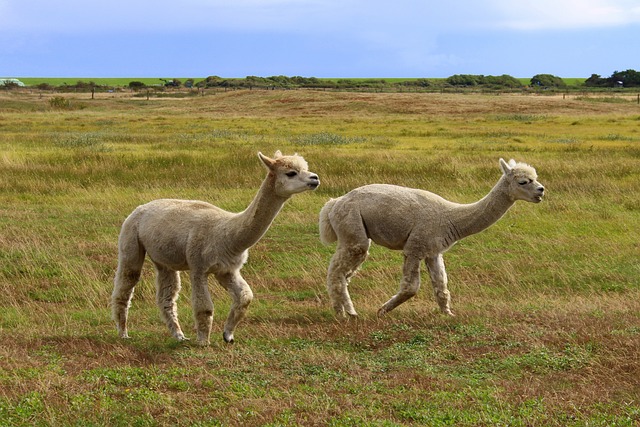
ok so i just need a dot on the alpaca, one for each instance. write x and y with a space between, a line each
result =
181 235
421 224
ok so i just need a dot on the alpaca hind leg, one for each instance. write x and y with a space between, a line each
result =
241 296
124 283
439 280
343 266
202 306
409 285
127 276
167 290
130 261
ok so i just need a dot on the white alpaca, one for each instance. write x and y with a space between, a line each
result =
421 224
192 235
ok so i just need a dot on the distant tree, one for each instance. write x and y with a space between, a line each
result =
172 83
254 81
547 80
213 81
596 81
465 80
503 81
421 83
9 85
415 83
629 78
137 85
82 85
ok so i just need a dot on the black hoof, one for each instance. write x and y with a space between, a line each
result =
226 339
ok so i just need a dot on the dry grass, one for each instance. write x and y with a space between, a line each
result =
547 300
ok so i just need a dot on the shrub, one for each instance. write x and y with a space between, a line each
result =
59 103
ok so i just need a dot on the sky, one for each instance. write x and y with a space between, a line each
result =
317 38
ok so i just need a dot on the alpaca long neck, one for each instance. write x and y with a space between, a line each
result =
251 224
474 217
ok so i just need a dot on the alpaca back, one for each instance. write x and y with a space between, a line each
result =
327 233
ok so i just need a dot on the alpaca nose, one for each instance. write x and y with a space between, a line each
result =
315 181
541 189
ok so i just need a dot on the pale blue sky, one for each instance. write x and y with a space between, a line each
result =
317 38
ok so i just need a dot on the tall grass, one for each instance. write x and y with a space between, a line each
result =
547 300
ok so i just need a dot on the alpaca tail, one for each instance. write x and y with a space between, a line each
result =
327 233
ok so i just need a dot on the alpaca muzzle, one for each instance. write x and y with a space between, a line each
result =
315 182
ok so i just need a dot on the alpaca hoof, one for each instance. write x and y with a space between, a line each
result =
203 343
180 337
353 315
382 312
228 338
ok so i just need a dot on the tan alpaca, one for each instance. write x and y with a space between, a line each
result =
421 224
191 235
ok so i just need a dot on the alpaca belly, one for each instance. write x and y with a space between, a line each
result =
169 256
391 235
229 264
166 250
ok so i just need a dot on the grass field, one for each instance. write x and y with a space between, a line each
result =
547 331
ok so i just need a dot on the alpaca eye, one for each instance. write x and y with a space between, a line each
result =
291 174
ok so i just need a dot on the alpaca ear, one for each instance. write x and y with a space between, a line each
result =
504 166
268 162
277 154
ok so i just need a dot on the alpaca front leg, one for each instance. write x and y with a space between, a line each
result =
337 287
439 281
202 306
409 285
167 290
241 296
343 266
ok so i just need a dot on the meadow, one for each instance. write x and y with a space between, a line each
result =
547 300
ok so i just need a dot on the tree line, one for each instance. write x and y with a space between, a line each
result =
618 79
628 78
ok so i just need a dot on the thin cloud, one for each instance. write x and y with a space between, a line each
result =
567 14
309 16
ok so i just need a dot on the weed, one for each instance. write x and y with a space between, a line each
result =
59 103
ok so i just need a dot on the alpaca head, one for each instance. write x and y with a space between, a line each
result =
290 174
522 181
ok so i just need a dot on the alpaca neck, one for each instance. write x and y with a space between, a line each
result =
251 224
474 217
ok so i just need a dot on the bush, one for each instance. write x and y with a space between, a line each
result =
547 80
136 85
59 103
503 81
